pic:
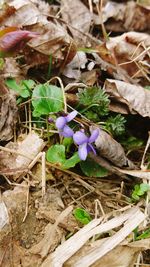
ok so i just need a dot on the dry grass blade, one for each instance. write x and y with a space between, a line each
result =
72 245
113 241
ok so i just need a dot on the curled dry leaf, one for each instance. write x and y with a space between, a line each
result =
110 149
8 116
53 39
76 14
135 98
18 156
129 53
126 16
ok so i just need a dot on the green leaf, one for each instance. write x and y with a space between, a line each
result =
144 235
71 162
92 169
95 99
23 89
11 83
29 84
115 125
132 143
56 154
140 190
67 142
82 216
47 98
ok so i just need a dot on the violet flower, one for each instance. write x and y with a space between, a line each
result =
84 143
61 124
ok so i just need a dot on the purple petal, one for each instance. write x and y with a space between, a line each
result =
82 151
80 138
91 148
71 115
60 123
94 135
67 132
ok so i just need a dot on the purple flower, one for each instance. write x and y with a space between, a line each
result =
61 124
84 143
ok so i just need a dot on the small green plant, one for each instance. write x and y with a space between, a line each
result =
95 101
57 154
132 143
82 216
115 125
23 89
139 191
140 236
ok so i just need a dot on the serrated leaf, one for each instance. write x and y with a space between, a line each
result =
82 216
95 99
47 98
115 125
92 169
56 154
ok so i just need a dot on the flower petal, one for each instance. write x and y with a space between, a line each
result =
60 123
91 148
71 115
82 151
94 135
67 131
80 138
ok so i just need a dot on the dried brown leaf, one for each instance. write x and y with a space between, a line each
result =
76 14
8 116
110 149
126 16
134 97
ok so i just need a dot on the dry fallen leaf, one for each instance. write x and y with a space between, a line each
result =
135 98
110 149
23 153
76 14
126 16
8 116
128 55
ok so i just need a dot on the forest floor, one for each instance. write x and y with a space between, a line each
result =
74 133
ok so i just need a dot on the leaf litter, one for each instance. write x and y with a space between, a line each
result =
92 57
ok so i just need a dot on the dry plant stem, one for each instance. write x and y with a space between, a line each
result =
43 174
79 198
142 71
30 118
27 203
137 264
15 184
98 203
74 85
145 151
99 10
75 176
134 59
90 6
